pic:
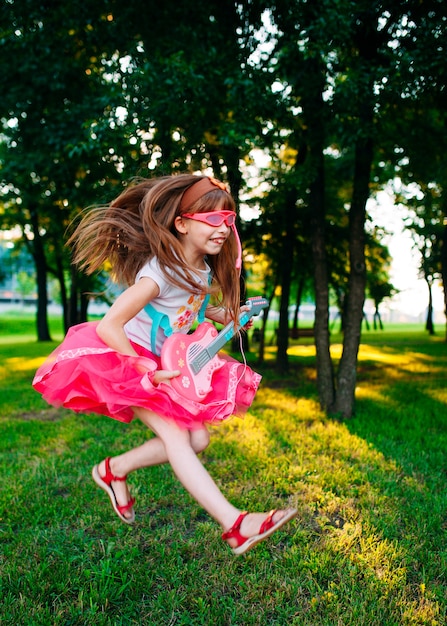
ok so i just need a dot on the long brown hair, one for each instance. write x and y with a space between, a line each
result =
139 225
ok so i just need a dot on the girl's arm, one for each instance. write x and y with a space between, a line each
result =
217 314
220 315
111 328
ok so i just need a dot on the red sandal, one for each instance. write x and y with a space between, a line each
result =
105 483
267 527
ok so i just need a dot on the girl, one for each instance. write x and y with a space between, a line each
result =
174 242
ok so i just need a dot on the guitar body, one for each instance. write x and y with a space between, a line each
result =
179 351
196 355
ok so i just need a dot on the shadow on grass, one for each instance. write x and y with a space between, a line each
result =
381 476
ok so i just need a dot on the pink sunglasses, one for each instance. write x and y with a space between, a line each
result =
213 218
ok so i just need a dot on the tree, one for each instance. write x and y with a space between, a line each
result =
425 222
413 128
421 188
50 112
134 92
334 61
378 263
304 69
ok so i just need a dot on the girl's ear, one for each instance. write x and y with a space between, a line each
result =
180 225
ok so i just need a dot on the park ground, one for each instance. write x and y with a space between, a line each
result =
368 546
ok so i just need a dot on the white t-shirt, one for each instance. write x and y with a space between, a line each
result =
173 310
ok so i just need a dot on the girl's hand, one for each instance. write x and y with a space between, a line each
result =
146 366
161 376
221 316
249 324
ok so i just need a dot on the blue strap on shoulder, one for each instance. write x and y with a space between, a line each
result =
159 320
201 313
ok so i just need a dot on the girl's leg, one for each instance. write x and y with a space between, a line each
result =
196 480
179 447
150 453
187 467
153 452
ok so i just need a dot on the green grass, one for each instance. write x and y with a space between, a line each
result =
368 547
20 326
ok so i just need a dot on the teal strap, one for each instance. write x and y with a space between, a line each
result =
201 313
159 320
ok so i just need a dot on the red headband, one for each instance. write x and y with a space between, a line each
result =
199 189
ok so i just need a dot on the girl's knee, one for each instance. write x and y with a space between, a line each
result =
200 439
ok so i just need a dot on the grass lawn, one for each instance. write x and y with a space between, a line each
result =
368 547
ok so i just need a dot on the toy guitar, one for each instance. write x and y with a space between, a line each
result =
195 355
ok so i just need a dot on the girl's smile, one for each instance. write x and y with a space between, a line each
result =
205 243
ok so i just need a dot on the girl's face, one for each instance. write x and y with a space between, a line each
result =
204 233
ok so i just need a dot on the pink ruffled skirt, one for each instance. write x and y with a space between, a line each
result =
85 375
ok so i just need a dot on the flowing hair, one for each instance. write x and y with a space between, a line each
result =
139 225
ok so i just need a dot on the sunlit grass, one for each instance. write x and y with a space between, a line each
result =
438 394
20 364
368 546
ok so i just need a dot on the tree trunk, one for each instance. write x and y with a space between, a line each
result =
261 349
79 299
325 370
38 253
444 270
282 361
347 371
83 307
286 265
429 325
63 289
377 317
72 316
315 114
299 297
265 315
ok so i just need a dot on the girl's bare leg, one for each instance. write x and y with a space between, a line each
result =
188 468
179 447
152 452
196 480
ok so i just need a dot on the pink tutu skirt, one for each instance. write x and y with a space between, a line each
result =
85 375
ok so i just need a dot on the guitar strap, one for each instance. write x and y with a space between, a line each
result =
159 320
201 313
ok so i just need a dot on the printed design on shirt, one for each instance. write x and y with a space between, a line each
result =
186 315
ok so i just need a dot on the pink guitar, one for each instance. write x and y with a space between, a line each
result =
195 355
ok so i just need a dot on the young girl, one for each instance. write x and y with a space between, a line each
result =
174 242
